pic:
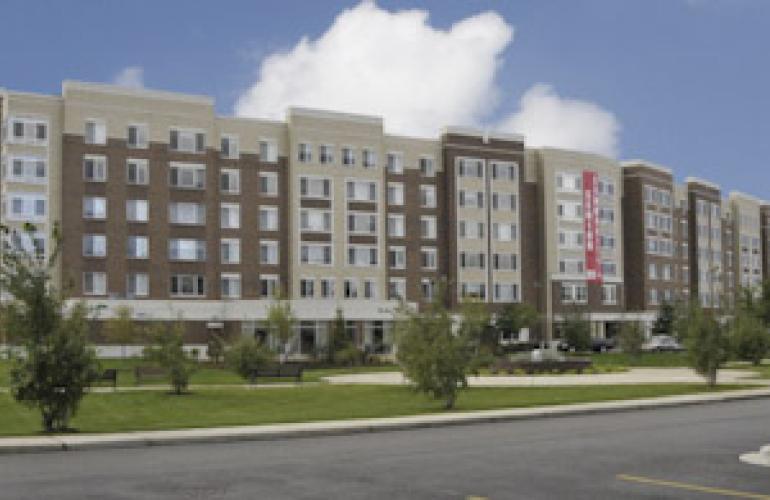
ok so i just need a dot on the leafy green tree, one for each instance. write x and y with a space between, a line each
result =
576 331
433 357
749 337
121 328
57 365
340 345
215 348
631 338
513 318
706 340
280 322
167 350
664 323
248 355
762 303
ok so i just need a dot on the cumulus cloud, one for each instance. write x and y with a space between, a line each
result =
393 64
546 119
419 78
131 76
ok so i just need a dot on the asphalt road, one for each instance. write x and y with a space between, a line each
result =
593 457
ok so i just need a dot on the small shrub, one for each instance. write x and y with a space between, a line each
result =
246 356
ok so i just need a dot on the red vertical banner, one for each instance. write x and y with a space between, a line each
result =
591 225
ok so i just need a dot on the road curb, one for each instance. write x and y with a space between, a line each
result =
75 442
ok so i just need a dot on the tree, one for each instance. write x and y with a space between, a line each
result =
749 337
664 323
121 328
168 352
513 318
706 341
280 322
433 357
576 331
246 356
215 348
762 303
340 345
631 338
57 364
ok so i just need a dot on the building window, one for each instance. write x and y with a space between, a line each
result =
137 172
504 262
27 169
268 252
348 157
351 289
428 258
362 256
187 213
307 288
505 292
28 131
187 250
268 183
268 285
187 141
96 132
397 257
230 285
137 210
397 289
473 290
187 175
504 171
94 283
228 147
327 288
362 223
609 295
470 230
470 199
94 207
230 180
230 250
470 167
396 226
315 220
230 215
318 254
138 247
137 285
268 218
25 207
504 202
369 158
315 187
574 293
94 245
428 227
395 193
326 154
428 288
188 285
427 167
362 191
95 168
472 260
504 232
305 153
268 151
428 196
395 163
137 136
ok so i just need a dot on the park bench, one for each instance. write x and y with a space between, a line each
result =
288 370
142 373
544 366
109 375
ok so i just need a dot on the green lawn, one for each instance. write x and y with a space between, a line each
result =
206 375
146 410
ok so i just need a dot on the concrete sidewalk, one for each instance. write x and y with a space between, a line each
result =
632 376
340 427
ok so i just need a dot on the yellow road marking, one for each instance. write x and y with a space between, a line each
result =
692 487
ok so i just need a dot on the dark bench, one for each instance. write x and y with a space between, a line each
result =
289 370
109 375
142 373
545 366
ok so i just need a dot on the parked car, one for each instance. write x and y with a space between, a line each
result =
662 343
597 345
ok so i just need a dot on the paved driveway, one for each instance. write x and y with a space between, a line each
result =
632 376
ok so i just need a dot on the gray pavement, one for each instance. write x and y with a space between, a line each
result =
567 457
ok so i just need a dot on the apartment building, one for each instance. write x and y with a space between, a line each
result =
176 212
655 237
764 214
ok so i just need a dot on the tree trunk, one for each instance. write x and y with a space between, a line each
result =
450 402
712 378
